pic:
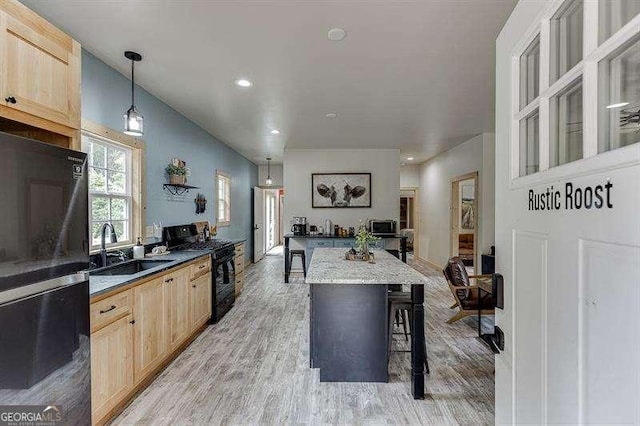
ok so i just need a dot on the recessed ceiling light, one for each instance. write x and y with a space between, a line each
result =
275 132
331 115
409 158
336 34
618 105
242 82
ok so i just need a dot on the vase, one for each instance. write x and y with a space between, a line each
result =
177 179
365 252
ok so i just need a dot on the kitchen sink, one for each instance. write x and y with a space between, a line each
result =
129 268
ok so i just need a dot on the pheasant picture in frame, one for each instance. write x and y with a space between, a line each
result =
340 190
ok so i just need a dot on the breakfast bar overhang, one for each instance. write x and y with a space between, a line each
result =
349 317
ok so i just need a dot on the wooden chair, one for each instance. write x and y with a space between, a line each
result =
464 294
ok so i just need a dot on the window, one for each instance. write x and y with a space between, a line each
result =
530 73
565 143
619 97
576 93
614 14
109 188
566 39
116 196
529 144
223 191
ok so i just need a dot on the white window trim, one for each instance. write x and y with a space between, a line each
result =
587 69
226 175
138 191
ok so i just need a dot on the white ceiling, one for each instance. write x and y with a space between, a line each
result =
413 75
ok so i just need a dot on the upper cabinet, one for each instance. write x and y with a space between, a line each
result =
39 71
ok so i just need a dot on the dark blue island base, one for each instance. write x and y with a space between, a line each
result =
348 333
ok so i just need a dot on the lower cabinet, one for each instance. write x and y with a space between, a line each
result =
178 290
135 331
150 331
238 263
111 366
200 300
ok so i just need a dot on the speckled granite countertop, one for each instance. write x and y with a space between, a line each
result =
328 266
100 284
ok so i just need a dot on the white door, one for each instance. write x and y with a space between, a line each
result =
258 224
567 203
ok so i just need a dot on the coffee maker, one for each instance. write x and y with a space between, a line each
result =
299 229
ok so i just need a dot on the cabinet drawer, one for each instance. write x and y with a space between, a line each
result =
239 264
320 243
201 267
239 278
348 243
240 250
108 310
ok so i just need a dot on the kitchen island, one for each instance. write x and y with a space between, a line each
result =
310 242
349 317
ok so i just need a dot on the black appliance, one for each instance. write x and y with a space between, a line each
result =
45 355
185 238
299 229
382 227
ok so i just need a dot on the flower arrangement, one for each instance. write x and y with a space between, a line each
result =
177 171
363 239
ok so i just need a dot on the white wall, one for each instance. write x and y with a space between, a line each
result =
276 175
383 164
410 176
477 154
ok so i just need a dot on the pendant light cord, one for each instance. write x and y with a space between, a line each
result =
133 79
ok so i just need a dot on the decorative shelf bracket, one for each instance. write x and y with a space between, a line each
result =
175 189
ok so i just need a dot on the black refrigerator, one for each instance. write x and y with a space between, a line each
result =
45 359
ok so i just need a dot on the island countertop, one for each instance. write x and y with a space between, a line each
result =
329 266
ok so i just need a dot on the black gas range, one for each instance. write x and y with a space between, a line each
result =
185 238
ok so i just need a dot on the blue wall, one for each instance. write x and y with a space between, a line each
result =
167 134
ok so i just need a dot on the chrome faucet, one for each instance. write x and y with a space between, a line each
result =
114 239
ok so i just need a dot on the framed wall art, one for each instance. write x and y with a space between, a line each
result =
340 190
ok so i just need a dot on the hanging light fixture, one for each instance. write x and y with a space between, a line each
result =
133 120
268 181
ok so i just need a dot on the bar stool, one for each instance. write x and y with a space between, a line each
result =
300 253
399 306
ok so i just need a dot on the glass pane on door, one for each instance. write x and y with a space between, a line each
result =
530 144
566 39
614 14
619 98
565 144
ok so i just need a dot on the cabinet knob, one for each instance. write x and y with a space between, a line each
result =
194 286
132 322
10 100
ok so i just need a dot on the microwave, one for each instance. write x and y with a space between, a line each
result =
382 227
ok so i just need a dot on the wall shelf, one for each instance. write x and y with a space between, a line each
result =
175 189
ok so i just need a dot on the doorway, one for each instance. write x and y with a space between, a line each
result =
464 219
409 215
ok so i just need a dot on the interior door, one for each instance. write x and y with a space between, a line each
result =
258 224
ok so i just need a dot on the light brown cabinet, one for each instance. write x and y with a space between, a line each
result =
136 331
200 300
150 338
39 73
178 289
239 267
111 365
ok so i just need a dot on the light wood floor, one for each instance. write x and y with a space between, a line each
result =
253 368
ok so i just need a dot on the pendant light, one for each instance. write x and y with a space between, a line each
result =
133 120
268 181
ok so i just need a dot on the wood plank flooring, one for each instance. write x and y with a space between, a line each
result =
253 368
